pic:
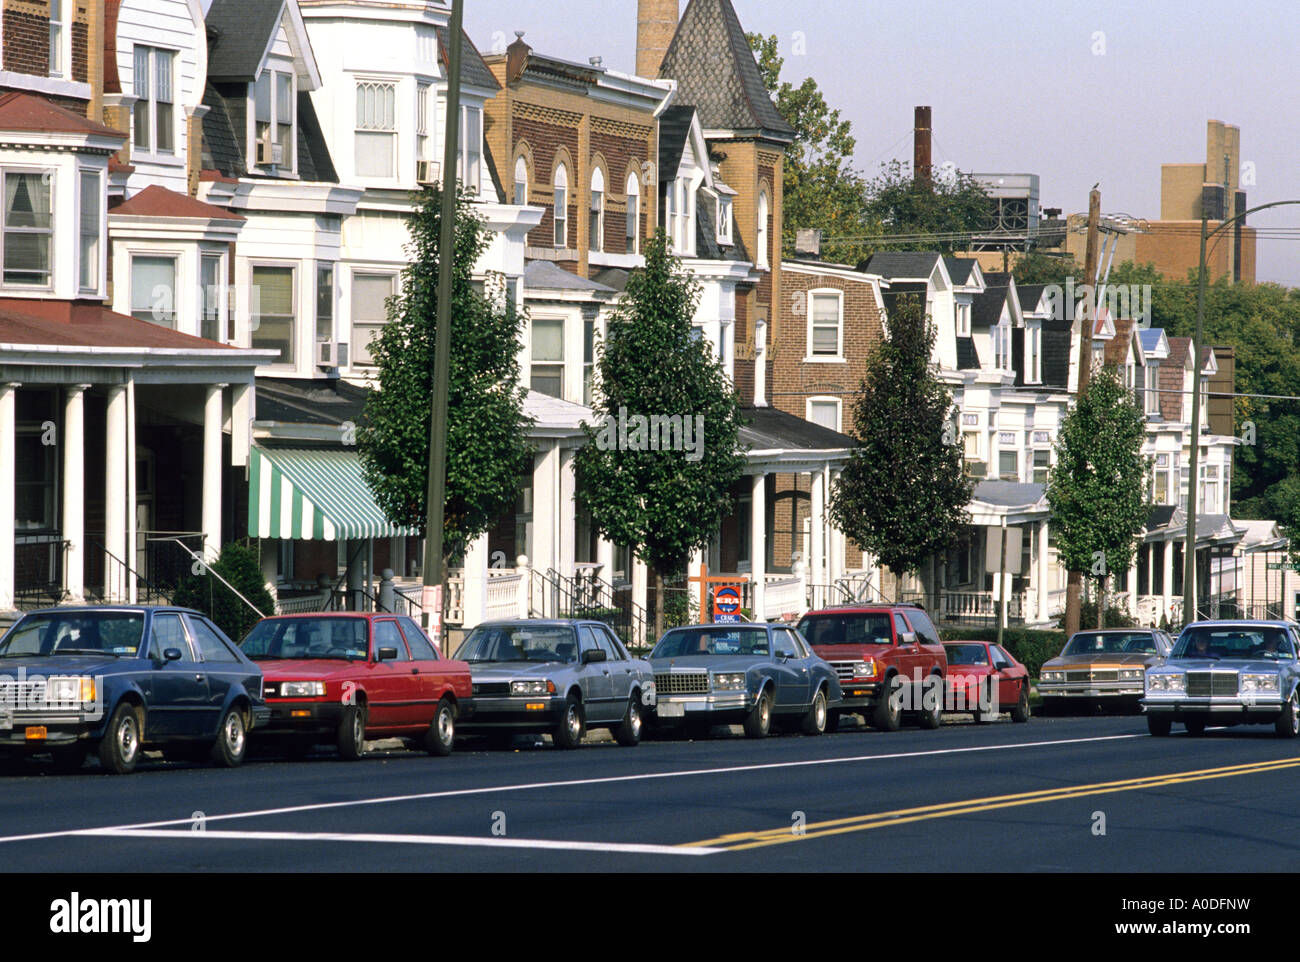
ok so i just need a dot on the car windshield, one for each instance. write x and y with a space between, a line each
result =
488 643
865 628
1261 641
728 640
307 638
967 654
75 633
1113 643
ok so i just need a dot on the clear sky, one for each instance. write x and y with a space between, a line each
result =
1074 92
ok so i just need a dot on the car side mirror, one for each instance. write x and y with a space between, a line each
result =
593 654
386 654
784 655
172 654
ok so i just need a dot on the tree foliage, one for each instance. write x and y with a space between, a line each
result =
1036 267
203 592
956 204
663 504
487 451
1097 487
903 494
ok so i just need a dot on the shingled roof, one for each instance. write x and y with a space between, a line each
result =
240 31
473 71
909 265
711 60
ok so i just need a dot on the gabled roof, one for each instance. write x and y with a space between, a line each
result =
987 307
224 136
473 71
1179 349
1031 296
1155 344
28 112
157 201
674 131
904 265
1116 350
960 269
240 32
714 66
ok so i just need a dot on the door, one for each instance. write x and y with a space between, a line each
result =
221 667
1008 687
430 670
792 674
392 685
598 680
179 688
621 675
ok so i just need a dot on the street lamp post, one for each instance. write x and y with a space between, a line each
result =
1193 477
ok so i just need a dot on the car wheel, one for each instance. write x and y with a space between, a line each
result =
759 720
1021 712
628 731
568 733
932 717
232 740
352 732
1288 723
814 723
1159 725
888 711
440 739
119 749
69 758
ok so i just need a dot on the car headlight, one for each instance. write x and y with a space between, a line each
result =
302 689
70 690
1167 682
1052 676
729 681
1262 681
1131 674
865 668
531 687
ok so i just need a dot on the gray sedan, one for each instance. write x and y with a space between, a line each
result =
558 677
709 675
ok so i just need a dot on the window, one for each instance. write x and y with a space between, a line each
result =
209 642
423 122
471 147
825 413
547 373
1033 354
58 30
971 445
421 649
521 181
1009 465
28 229
561 213
588 358
325 302
762 230
35 470
376 132
633 213
168 632
1153 393
596 225
1042 462
1204 388
154 125
1002 346
153 289
963 320
824 324
88 256
273 310
370 294
1162 479
724 221
1210 489
387 636
211 291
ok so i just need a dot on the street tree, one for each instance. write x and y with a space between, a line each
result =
951 207
487 450
1097 487
903 494
662 456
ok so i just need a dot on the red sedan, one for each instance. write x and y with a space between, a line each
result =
348 677
986 680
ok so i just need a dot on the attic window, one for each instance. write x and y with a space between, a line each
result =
273 119
724 221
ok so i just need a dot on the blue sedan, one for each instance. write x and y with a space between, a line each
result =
112 680
745 674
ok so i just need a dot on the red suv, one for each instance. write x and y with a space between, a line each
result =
343 678
888 658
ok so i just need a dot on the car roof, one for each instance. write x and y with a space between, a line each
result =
1242 623
75 609
1114 631
332 614
540 622
856 608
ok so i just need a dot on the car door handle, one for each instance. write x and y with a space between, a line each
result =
415 671
198 676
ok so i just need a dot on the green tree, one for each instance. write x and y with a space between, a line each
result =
487 452
821 188
662 503
955 206
239 565
1036 267
1097 487
903 494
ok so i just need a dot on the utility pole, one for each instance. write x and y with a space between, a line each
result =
1074 584
432 595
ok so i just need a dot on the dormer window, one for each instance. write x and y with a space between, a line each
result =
1033 353
273 120
154 119
724 221
1002 345
1153 392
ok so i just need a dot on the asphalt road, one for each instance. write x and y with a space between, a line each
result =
1053 795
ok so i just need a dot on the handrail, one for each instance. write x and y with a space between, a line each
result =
207 568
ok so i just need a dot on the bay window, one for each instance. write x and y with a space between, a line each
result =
546 374
424 122
376 129
471 147
370 294
28 228
212 286
153 289
274 310
90 202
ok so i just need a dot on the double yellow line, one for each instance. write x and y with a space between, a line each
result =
738 841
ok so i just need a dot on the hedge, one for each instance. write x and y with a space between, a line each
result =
1031 646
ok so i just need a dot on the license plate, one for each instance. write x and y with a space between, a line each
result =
1094 692
37 732
669 710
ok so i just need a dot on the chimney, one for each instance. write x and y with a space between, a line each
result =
808 243
517 57
656 22
921 168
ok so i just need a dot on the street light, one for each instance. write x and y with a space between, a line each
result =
1189 546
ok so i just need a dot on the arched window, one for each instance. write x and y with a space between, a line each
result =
521 181
561 207
633 213
596 226
763 261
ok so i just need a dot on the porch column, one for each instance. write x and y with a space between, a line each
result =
476 580
115 496
817 539
1167 596
693 591
641 595
74 492
566 513
212 421
605 558
1044 589
1133 585
356 574
758 546
546 478
241 429
835 537
8 495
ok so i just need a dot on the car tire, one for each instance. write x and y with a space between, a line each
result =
1159 725
119 749
932 718
815 722
1021 712
628 732
888 711
1288 723
68 759
232 739
758 723
352 732
568 732
440 739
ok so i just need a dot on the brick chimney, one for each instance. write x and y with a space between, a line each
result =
656 22
922 171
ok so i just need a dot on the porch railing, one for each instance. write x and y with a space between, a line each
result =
972 608
39 563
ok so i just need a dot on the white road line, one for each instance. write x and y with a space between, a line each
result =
535 786
486 842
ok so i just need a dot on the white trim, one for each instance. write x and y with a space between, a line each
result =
45 85
824 399
812 296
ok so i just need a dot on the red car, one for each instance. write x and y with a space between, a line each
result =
986 680
343 678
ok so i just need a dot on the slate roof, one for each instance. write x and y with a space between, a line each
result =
1030 295
986 308
674 129
771 429
239 32
320 401
224 141
547 276
1008 494
968 358
473 71
1056 355
959 268
711 60
906 264
706 234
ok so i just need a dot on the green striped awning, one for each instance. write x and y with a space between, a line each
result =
298 493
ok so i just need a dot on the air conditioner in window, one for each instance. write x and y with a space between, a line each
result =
331 354
427 171
976 469
269 153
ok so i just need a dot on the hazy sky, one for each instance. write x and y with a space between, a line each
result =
1074 92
